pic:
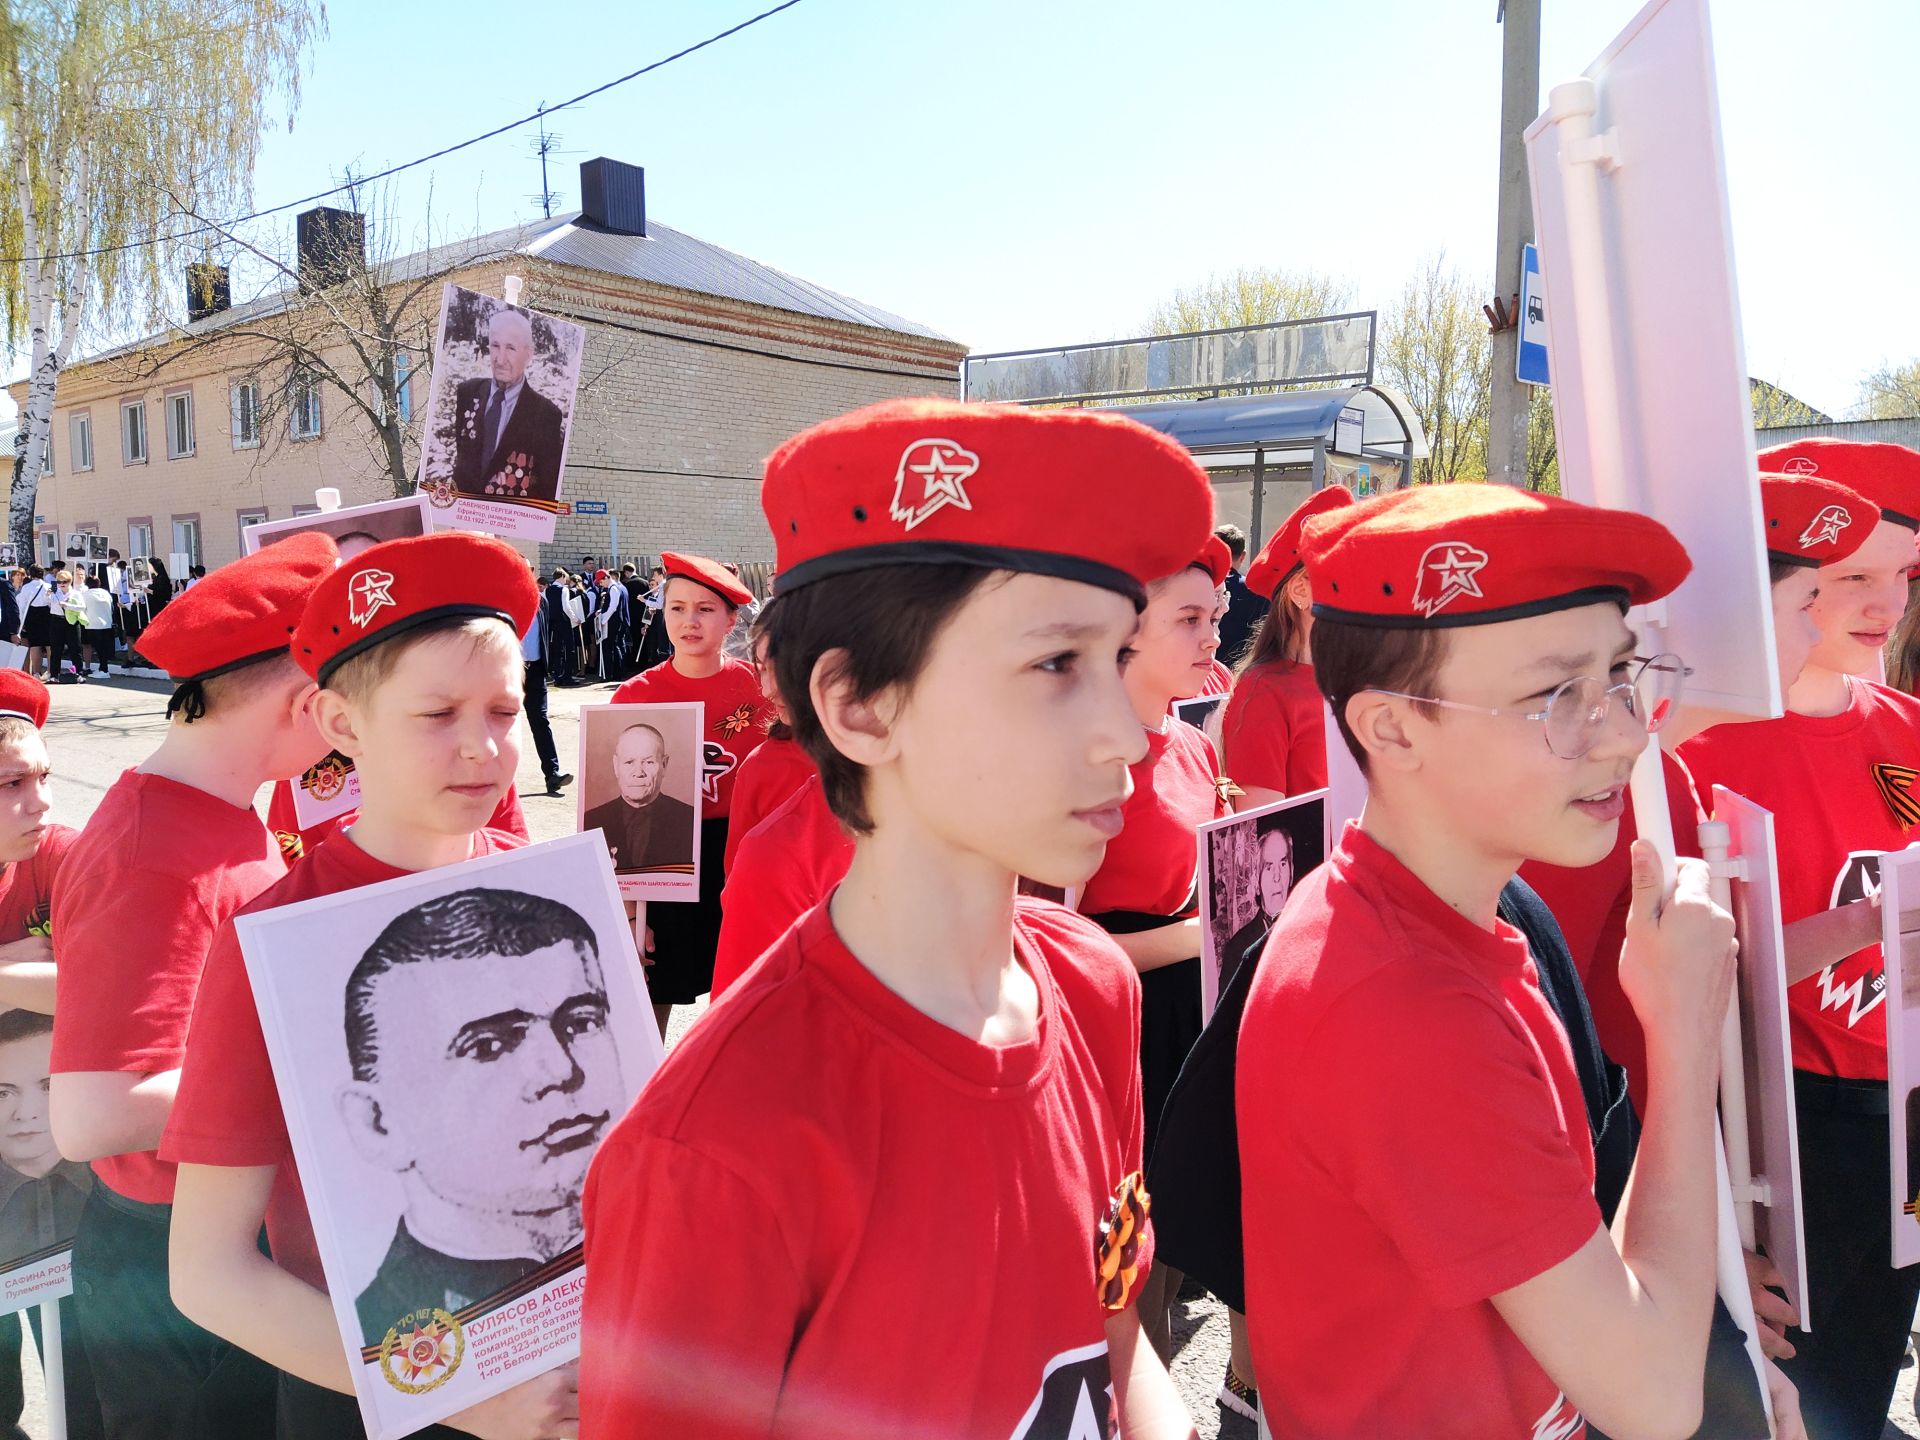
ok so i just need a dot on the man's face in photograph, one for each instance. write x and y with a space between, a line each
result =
497 1077
509 348
1276 870
639 765
26 1137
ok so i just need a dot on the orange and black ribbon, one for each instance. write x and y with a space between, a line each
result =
1896 788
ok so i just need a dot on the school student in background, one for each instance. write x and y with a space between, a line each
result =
447 645
699 603
755 1247
1424 1252
173 849
1274 736
1831 772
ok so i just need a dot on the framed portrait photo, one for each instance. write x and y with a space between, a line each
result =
41 1193
450 1048
1249 864
641 775
499 416
353 527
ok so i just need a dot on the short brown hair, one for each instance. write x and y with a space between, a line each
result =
358 677
1349 660
196 699
885 620
1235 539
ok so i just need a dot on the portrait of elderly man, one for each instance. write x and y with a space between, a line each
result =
484 1076
646 828
1274 882
508 437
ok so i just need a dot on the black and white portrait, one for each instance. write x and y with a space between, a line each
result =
640 771
495 443
451 1047
41 1194
354 527
1249 864
140 574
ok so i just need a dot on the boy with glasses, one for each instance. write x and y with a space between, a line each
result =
1424 1251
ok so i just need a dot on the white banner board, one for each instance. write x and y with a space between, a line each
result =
1900 941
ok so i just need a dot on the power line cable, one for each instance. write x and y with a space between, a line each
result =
222 226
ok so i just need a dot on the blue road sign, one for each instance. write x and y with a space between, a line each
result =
1531 363
589 507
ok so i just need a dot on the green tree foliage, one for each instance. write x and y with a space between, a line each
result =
119 119
1890 393
1255 295
1434 350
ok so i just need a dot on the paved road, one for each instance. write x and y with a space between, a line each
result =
99 729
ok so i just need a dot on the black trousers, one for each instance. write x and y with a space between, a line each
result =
536 712
65 646
158 1375
1862 1307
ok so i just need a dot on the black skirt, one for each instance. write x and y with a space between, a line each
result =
686 933
39 627
1169 1019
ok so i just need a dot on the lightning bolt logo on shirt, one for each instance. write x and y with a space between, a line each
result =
1858 996
1863 989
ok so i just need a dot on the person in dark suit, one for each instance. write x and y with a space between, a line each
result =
1245 609
507 437
645 829
1275 884
559 642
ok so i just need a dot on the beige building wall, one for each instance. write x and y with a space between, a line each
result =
683 396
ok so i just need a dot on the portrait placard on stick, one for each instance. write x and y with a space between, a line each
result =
450 1049
642 776
354 528
41 1194
1249 864
499 416
327 788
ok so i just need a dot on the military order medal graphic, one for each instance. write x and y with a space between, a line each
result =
422 1351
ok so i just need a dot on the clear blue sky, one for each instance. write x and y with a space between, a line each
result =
1019 172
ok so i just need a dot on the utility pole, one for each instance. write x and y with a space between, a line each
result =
1519 105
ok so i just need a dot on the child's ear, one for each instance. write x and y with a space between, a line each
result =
1300 591
333 718
1378 723
861 730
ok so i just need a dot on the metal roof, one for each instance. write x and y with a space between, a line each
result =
1288 418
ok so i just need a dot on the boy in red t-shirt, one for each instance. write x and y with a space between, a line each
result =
889 1185
32 849
700 601
1828 770
415 647
173 849
1424 1254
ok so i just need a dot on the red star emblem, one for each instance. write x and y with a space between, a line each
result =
1825 526
1447 571
367 593
932 474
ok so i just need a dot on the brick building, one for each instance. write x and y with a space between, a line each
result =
698 362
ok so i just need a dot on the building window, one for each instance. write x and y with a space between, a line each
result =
303 408
133 432
246 415
80 440
179 410
249 519
50 549
402 385
139 538
186 540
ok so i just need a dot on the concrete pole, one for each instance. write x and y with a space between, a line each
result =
1519 105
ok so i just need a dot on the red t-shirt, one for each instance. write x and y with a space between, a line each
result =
284 821
1149 866
143 892
776 768
26 886
1816 774
901 1245
1413 1141
737 716
1591 907
1275 732
227 1110
786 865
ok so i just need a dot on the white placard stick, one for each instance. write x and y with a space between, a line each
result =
510 289
53 1366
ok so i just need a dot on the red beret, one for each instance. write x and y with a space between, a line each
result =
241 612
23 698
1072 493
1215 559
1814 522
598 576
400 585
710 573
1447 555
1887 475
1282 550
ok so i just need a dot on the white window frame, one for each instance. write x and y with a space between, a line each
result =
403 385
193 551
134 409
177 407
303 401
140 540
244 411
80 440
50 549
248 519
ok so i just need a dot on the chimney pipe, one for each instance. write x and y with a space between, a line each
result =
613 196
208 291
332 246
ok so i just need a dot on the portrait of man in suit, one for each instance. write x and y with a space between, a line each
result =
508 437
646 828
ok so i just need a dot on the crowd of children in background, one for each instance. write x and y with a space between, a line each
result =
891 1183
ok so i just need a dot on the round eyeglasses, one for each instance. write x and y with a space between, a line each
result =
1576 712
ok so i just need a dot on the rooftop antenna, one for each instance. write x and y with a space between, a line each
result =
544 144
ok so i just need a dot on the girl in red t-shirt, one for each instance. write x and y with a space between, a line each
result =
776 768
698 605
